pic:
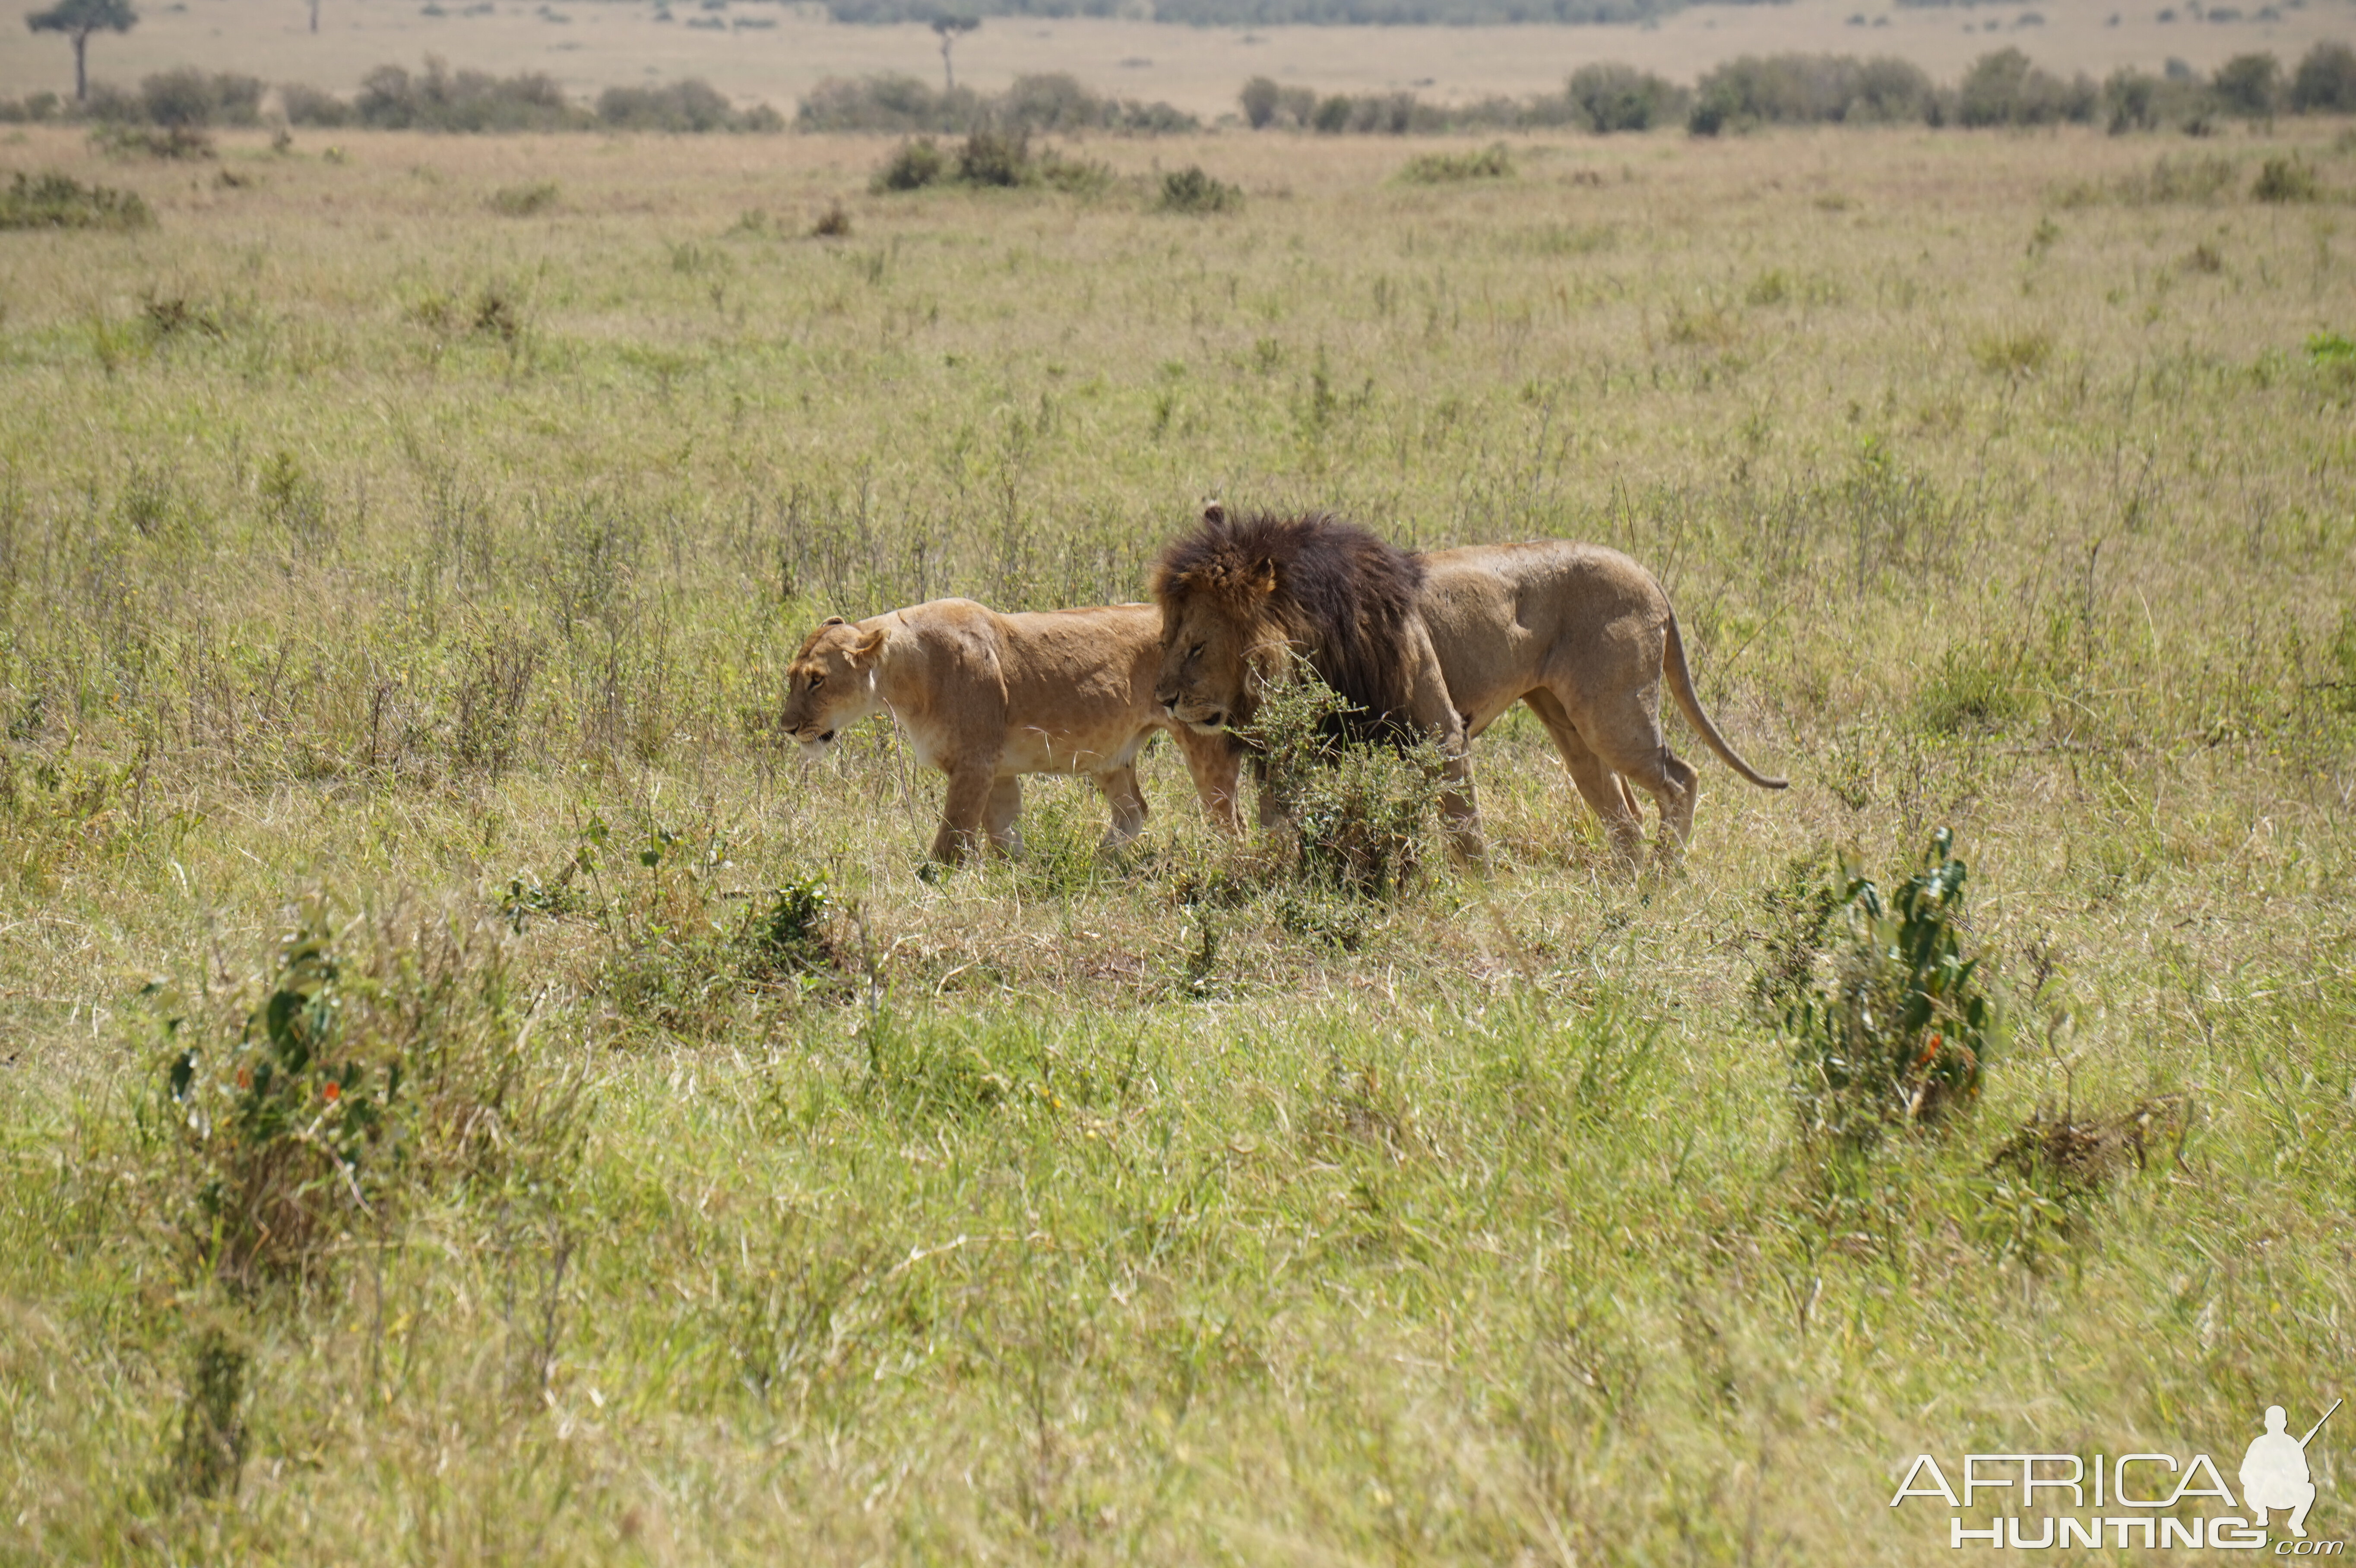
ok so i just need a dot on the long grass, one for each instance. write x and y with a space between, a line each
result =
359 536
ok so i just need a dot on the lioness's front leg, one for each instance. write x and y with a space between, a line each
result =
999 818
962 810
1215 764
1118 786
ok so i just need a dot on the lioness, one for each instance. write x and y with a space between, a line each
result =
987 698
1584 636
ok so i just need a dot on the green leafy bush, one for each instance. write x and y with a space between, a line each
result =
1901 1031
60 201
1611 97
388 1052
1361 810
2002 87
1190 190
1047 101
1448 168
692 105
2285 179
2324 81
913 166
523 200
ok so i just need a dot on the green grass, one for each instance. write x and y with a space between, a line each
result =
357 538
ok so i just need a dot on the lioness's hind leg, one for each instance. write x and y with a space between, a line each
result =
1118 786
1607 794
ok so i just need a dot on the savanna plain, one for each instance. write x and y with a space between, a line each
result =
473 1093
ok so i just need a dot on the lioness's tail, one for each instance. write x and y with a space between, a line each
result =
1673 665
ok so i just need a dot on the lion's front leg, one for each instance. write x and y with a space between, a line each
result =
1435 714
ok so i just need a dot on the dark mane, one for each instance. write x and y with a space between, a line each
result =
1341 594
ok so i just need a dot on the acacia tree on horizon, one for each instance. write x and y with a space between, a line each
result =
78 19
950 28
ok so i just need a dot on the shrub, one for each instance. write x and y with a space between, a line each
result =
1047 101
2181 179
33 108
1796 89
1446 168
913 165
1261 98
1190 190
191 98
523 200
386 1054
309 106
1900 1033
176 142
440 100
834 223
1609 98
2002 87
59 201
2325 82
1361 810
2285 179
994 159
2134 100
2248 85
692 105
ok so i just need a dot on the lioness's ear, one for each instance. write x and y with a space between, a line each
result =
1263 578
866 646
832 621
1214 514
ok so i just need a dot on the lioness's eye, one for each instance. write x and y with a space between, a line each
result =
817 681
1195 652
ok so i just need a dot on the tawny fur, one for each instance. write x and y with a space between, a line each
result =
1239 597
1584 636
987 698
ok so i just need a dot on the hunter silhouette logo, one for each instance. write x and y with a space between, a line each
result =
2151 1494
2274 1472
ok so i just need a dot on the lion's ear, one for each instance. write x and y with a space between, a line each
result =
866 648
1214 514
1263 578
832 621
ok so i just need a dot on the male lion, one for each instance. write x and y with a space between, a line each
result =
1581 634
1241 597
987 698
1584 636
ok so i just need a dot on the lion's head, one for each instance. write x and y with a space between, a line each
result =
1240 596
831 683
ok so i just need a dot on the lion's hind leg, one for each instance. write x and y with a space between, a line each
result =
1605 791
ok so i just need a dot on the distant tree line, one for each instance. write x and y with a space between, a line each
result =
2002 87
1050 103
1278 12
391 98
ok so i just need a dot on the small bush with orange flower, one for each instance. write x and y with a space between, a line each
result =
1900 1032
387 1053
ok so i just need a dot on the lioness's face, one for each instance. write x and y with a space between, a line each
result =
1212 662
830 684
